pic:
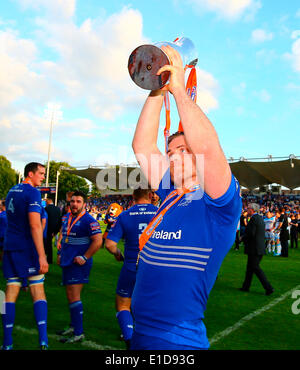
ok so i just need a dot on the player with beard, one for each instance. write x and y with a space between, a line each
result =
81 239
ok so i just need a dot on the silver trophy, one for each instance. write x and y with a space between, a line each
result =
146 60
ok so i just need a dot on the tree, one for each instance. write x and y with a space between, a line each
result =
8 176
67 181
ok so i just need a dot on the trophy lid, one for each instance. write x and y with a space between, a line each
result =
143 64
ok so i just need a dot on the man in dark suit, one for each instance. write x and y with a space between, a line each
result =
54 225
284 233
254 240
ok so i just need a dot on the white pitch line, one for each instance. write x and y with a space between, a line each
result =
249 317
85 343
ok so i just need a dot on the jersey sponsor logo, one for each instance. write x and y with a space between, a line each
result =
166 235
142 213
184 202
94 226
35 204
188 198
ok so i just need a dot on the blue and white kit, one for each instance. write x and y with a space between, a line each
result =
179 264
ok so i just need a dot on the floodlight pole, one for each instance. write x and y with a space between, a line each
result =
49 148
56 189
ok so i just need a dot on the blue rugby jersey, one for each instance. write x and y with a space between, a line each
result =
129 226
3 225
180 262
78 239
21 200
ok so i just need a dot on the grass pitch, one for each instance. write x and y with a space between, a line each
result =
274 328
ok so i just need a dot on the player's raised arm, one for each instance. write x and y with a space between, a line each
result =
200 135
151 160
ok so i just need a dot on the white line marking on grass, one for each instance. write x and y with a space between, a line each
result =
249 317
85 343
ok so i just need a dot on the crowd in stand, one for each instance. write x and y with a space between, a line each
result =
273 201
276 210
102 203
271 206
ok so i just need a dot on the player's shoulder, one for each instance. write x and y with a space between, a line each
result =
15 190
90 223
89 218
124 214
130 211
30 190
15 187
65 217
148 208
152 207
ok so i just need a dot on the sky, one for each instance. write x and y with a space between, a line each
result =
73 55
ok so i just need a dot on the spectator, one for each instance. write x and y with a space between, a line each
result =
243 224
237 237
254 240
294 231
284 233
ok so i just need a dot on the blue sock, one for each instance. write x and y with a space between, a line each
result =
76 312
40 309
126 323
8 320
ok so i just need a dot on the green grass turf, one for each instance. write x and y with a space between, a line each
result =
276 328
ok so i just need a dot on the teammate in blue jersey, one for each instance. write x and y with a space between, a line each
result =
24 254
81 239
183 247
129 226
3 225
